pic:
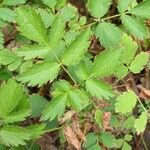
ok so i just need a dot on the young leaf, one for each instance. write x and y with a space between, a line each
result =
31 25
7 14
14 136
57 30
105 62
126 102
98 8
142 9
30 52
140 123
10 95
14 2
139 62
135 27
108 34
55 108
99 89
123 5
34 75
77 49
129 49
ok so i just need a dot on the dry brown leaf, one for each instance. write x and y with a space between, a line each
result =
106 120
67 116
72 138
77 130
144 93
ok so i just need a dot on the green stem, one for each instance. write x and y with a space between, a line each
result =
145 146
143 107
110 17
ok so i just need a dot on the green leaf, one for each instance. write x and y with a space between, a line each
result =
7 14
83 69
135 27
30 52
17 116
31 25
121 71
1 40
123 5
98 8
77 49
10 94
139 62
60 3
126 102
106 62
14 2
140 123
126 146
7 57
69 12
99 89
98 117
61 87
142 9
55 108
128 137
108 139
108 34
47 17
38 104
78 99
50 3
34 75
129 123
91 142
129 49
37 130
57 30
14 136
64 94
